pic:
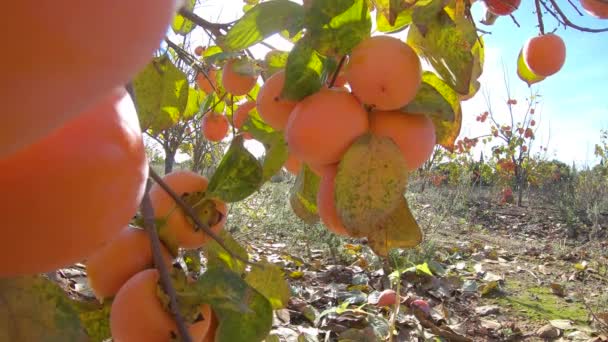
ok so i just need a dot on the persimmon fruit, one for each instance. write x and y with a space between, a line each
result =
199 50
70 192
215 126
326 201
64 59
241 114
137 314
596 8
208 83
502 7
178 226
414 134
234 82
545 55
323 125
384 72
273 109
293 165
127 254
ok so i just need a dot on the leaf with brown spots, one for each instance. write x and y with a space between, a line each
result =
370 183
398 230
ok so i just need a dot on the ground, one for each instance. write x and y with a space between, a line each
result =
490 272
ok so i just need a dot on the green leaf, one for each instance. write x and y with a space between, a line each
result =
275 60
95 318
262 21
275 156
238 175
336 27
447 44
447 127
524 73
270 281
478 60
36 309
303 195
305 72
161 94
398 230
244 314
182 25
195 100
430 101
392 15
218 257
370 182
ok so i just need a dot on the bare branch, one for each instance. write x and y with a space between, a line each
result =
567 21
165 278
539 16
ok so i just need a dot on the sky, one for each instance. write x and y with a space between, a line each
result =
574 102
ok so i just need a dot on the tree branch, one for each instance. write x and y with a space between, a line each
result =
190 212
165 279
335 76
539 16
567 21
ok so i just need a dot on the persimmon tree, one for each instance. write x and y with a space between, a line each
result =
339 105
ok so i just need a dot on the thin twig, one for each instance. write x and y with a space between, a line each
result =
335 77
214 28
165 279
190 212
539 16
514 20
576 8
599 321
571 24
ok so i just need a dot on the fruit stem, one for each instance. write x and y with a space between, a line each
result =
335 76
197 222
165 279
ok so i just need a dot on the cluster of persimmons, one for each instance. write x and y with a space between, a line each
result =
73 167
382 75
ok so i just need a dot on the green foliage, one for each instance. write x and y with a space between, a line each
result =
218 257
262 21
305 72
36 309
269 280
303 195
447 43
370 183
181 25
238 175
243 312
161 94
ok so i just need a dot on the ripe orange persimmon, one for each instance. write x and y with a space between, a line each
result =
414 134
545 55
208 83
596 8
215 126
210 336
384 72
199 50
326 201
137 313
236 83
178 226
66 59
272 109
322 126
502 7
112 265
72 191
293 165
240 116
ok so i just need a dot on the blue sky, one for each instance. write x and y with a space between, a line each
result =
574 101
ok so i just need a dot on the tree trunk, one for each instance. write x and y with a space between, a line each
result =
169 157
